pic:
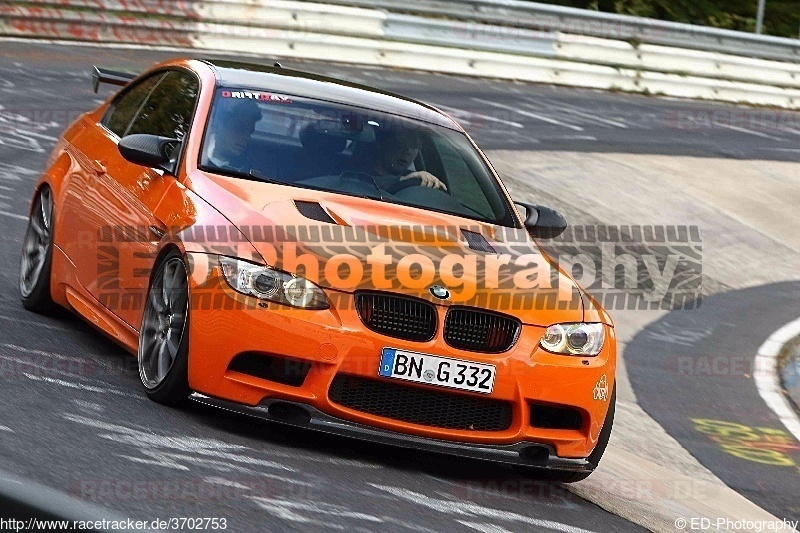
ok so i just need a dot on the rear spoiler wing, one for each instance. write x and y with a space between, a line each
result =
112 77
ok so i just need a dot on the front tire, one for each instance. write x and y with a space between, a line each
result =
164 335
37 255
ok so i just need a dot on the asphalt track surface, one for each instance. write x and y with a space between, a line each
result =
75 419
698 366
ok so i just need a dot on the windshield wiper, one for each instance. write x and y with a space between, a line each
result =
263 177
252 175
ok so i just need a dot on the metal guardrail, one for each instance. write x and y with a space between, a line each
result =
415 29
312 30
545 17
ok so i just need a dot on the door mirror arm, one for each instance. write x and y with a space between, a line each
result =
543 222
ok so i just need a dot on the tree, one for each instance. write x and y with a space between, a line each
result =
782 17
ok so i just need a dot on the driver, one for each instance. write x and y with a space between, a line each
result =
234 123
394 153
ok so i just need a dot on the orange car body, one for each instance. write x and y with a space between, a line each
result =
97 191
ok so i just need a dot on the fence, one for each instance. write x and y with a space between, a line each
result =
528 46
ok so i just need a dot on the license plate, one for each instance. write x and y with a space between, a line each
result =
435 370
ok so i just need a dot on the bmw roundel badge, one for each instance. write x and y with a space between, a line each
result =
440 292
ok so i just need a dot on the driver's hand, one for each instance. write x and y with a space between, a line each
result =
427 179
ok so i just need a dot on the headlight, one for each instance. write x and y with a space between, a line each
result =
574 339
267 283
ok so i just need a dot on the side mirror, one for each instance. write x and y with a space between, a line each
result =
543 222
149 150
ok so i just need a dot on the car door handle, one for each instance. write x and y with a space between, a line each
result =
98 167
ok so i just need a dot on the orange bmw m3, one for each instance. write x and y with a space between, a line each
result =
321 254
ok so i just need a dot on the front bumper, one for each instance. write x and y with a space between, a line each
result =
306 416
335 342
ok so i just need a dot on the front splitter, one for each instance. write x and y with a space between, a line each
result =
302 415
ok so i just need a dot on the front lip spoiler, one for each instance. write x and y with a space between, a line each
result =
306 416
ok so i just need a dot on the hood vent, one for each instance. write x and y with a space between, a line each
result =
476 241
314 211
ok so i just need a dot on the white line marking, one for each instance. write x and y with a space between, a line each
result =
745 130
455 111
470 509
284 510
572 138
787 129
796 150
157 458
148 439
324 459
564 501
566 108
225 483
530 115
204 455
43 368
4 188
80 386
33 322
89 406
13 215
46 354
483 527
40 135
766 376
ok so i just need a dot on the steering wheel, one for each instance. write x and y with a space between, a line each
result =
400 185
361 177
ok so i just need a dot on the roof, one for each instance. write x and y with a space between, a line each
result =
243 75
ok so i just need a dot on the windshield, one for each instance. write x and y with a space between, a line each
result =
349 150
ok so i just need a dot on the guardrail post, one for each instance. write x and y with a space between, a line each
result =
762 4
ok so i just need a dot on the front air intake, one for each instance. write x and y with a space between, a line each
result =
548 416
477 330
281 370
477 242
397 316
314 211
419 405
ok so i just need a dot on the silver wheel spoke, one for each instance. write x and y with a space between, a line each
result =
36 270
173 343
156 300
30 247
174 287
164 361
166 287
150 330
178 318
149 336
47 208
152 363
38 226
